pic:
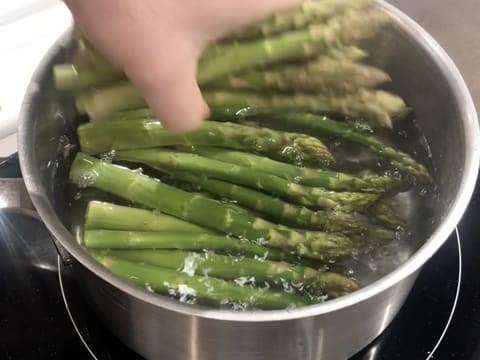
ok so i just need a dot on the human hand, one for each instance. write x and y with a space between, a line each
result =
158 43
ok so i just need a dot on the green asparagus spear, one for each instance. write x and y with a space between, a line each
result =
140 113
345 53
385 215
299 17
345 29
84 54
324 75
77 33
87 171
238 268
330 221
99 103
376 106
89 69
187 288
322 124
71 77
102 215
302 175
103 137
164 239
192 163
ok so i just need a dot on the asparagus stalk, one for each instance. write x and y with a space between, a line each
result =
234 267
140 113
299 17
102 215
376 106
103 137
101 102
324 75
374 237
72 77
302 175
164 239
322 124
84 54
89 69
330 221
345 29
192 163
188 288
87 171
77 33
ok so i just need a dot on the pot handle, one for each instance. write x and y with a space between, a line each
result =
14 198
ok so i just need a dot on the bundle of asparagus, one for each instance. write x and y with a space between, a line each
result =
238 212
307 60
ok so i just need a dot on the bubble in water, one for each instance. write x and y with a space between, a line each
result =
242 111
260 241
335 144
64 140
206 273
287 150
190 264
362 126
423 192
108 157
242 238
86 179
299 286
287 287
67 150
245 280
184 293
373 266
402 133
317 297
261 258
257 146
77 196
235 305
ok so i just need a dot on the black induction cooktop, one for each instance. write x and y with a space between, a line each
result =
44 316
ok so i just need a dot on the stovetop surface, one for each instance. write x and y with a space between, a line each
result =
44 316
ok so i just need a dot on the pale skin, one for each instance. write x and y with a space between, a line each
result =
157 43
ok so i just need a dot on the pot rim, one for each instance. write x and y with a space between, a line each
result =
413 264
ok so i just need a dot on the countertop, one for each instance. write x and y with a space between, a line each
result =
456 26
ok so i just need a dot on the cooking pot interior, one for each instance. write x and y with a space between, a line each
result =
434 134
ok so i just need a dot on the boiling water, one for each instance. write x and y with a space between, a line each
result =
414 207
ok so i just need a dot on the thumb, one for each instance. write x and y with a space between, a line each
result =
171 91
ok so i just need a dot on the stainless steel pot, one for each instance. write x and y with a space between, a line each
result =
159 328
